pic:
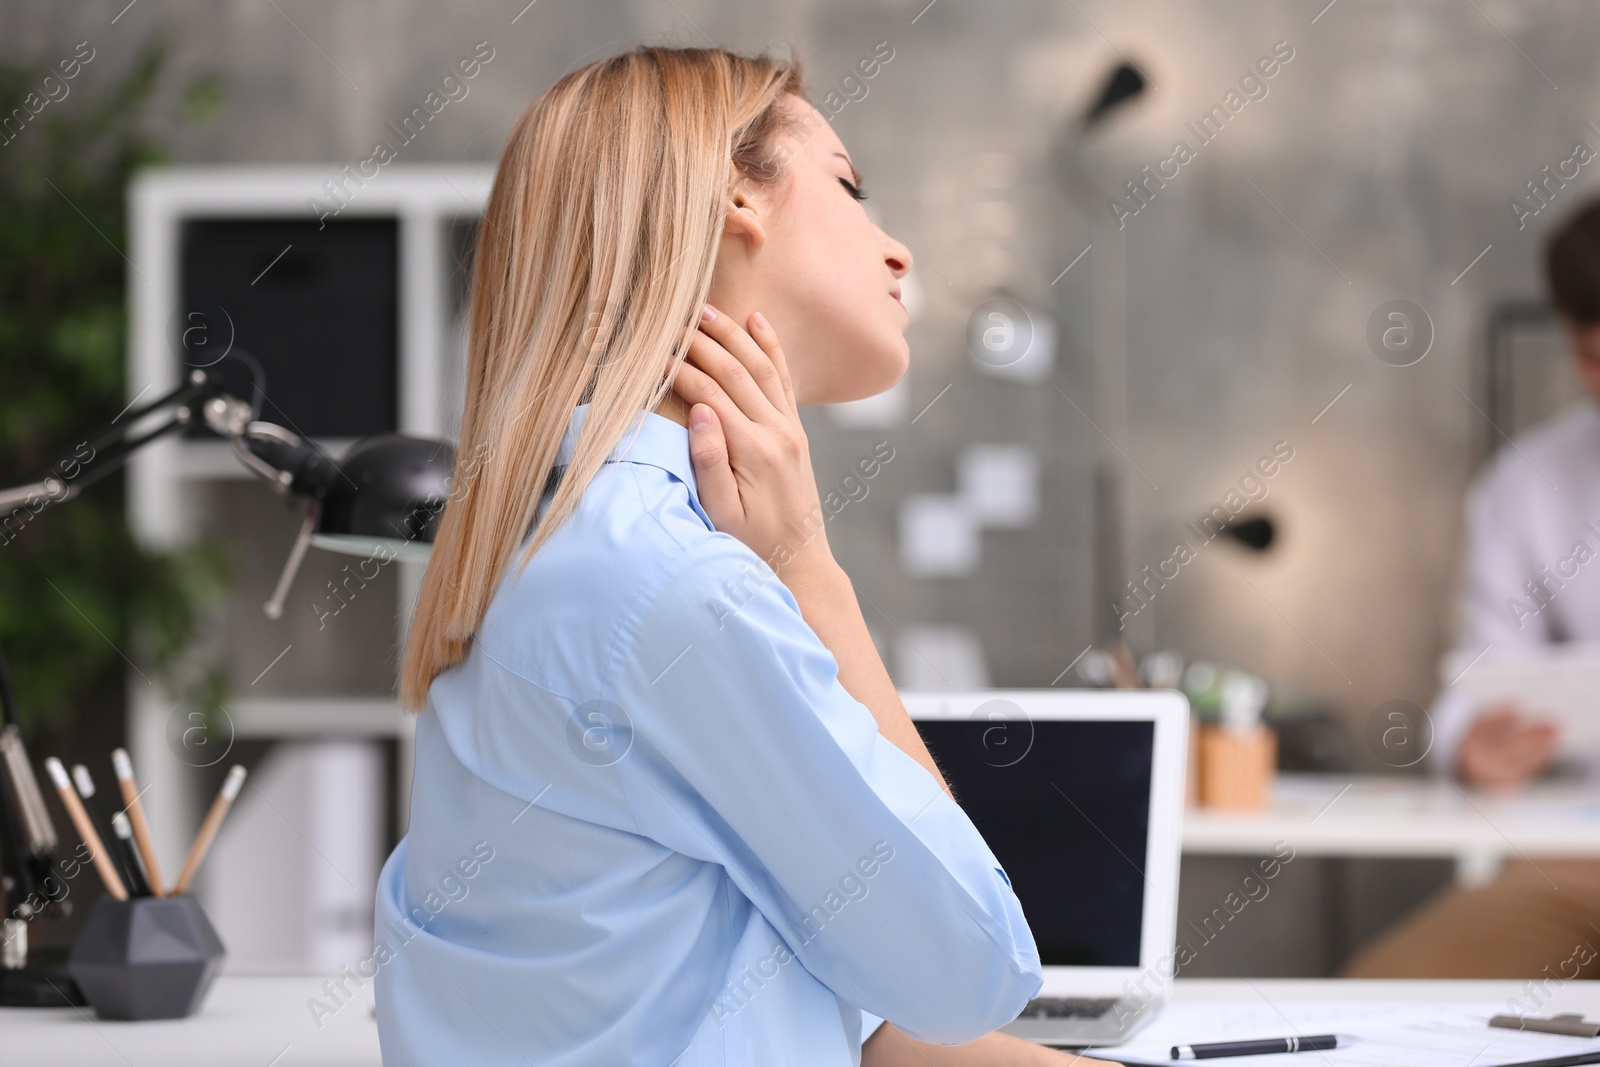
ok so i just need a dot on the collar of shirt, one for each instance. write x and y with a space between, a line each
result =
657 441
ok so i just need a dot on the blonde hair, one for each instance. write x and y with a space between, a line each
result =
593 258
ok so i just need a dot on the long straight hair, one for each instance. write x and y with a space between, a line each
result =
592 261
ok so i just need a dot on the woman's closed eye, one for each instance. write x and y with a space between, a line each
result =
854 190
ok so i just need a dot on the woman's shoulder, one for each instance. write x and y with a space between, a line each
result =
632 537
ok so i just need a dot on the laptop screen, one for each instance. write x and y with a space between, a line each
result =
1065 807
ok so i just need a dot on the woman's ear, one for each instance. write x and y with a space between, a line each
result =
743 220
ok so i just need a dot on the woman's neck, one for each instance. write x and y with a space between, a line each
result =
673 408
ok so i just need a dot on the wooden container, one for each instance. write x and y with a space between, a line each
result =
1237 769
1191 779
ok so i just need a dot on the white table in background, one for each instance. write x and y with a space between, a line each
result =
1406 817
254 1021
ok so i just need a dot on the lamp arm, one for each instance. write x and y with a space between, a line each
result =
291 464
111 446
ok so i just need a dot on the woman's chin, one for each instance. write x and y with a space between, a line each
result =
886 372
856 391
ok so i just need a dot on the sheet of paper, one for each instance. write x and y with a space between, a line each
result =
1387 1034
1556 682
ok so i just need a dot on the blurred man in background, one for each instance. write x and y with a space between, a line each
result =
1536 503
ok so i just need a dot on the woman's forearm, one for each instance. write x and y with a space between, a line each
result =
888 1047
827 599
828 602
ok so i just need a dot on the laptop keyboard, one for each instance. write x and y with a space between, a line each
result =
1067 1007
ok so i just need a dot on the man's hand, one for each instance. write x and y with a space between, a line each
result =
751 458
888 1047
1503 749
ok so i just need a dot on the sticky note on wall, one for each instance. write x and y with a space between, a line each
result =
938 536
1000 484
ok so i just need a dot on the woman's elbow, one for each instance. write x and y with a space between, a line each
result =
969 1009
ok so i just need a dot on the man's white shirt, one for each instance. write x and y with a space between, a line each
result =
1531 567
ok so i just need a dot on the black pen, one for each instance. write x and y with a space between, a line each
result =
1266 1047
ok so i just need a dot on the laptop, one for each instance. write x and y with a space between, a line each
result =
1079 794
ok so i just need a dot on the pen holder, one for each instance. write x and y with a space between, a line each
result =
1237 770
146 957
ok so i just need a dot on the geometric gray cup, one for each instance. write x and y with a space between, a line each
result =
146 957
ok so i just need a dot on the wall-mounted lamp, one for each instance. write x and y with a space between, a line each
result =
1256 534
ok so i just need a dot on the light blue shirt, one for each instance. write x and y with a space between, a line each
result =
649 825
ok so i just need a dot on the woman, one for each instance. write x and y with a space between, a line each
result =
667 807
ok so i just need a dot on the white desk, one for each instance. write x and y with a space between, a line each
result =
1342 815
246 1021
263 1022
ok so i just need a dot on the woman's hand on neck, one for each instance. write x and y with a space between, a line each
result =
730 301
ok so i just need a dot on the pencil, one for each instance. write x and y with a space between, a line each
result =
138 882
208 829
141 829
102 826
80 819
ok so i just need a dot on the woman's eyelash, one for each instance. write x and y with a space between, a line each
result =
855 191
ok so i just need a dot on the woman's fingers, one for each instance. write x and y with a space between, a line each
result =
708 448
707 354
695 386
752 357
767 338
734 426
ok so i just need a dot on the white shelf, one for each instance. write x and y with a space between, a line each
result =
164 480
320 717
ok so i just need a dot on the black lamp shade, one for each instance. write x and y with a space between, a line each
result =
389 490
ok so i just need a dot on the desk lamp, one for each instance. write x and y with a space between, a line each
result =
386 492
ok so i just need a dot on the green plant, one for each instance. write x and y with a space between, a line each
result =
80 600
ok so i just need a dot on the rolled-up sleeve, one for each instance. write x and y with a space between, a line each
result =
747 751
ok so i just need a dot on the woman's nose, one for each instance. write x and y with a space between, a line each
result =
899 258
